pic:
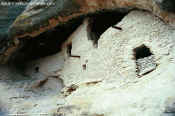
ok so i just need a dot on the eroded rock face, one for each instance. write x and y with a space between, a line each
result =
37 19
103 80
61 11
110 85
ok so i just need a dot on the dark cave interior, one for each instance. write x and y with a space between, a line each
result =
142 52
48 43
100 22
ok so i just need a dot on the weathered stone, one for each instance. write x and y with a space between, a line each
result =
120 91
37 19
102 80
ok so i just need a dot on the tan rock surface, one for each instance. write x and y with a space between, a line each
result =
37 19
102 81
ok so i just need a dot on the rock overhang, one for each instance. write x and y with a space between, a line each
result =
105 73
31 23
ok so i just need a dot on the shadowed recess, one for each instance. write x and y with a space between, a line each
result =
69 49
142 52
168 5
145 62
46 44
99 23
49 43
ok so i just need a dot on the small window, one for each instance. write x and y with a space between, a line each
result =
145 62
69 49
142 52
